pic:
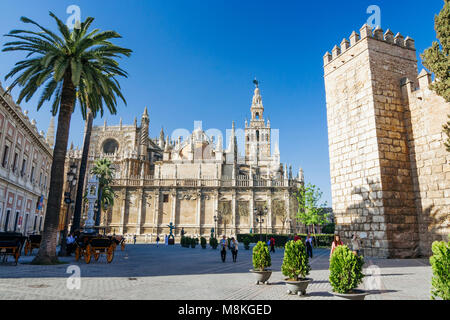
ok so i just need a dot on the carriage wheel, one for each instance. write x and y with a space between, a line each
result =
110 254
96 256
122 246
87 254
77 254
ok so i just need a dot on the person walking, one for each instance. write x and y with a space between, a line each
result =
356 244
70 244
309 246
272 244
234 248
134 239
157 241
336 242
223 248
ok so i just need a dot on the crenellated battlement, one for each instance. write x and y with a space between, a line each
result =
364 33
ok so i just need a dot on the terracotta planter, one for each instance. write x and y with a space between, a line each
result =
354 295
297 287
262 276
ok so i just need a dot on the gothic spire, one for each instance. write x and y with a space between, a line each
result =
161 138
50 138
166 147
145 114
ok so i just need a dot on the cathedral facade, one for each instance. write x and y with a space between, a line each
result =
194 182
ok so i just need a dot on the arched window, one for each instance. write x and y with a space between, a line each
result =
257 135
257 116
110 146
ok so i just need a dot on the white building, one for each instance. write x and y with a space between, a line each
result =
25 163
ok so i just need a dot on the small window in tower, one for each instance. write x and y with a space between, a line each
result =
165 198
257 116
257 135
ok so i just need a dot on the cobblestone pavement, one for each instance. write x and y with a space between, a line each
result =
171 272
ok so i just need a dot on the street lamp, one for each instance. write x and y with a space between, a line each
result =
259 213
215 225
71 182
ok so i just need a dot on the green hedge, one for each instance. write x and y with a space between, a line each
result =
213 242
440 264
322 240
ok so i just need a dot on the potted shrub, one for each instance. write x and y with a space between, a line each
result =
261 261
213 243
203 242
193 243
440 262
246 243
346 273
296 267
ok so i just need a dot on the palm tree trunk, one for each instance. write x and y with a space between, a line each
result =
47 250
82 173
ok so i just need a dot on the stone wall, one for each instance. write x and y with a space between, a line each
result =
431 162
375 186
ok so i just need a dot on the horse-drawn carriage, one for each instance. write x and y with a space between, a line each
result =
93 245
11 244
33 242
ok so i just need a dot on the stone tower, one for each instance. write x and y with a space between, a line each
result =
143 135
257 133
371 172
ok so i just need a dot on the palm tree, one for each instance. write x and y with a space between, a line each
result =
107 200
82 173
104 172
73 66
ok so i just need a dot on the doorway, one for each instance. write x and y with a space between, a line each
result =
5 227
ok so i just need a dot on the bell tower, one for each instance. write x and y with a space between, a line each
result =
257 133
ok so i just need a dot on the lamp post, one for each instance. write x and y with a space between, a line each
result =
215 226
259 213
71 182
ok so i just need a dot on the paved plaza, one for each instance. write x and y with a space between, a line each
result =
144 271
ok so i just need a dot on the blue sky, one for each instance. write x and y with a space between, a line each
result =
195 60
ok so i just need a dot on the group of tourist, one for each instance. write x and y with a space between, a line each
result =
234 246
355 244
